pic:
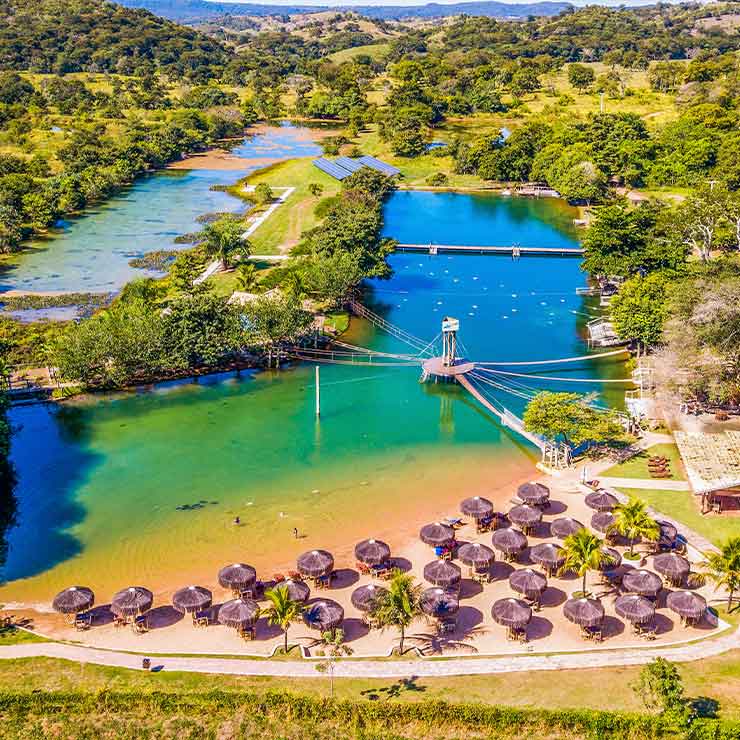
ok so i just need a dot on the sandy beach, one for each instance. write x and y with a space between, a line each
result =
476 633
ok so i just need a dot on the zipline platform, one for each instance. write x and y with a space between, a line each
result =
474 249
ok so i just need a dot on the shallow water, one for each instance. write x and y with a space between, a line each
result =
91 253
145 486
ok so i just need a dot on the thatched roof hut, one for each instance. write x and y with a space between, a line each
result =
672 565
437 534
601 521
687 604
365 597
614 559
240 614
564 527
192 599
477 507
513 613
634 608
508 540
584 612
297 590
547 554
437 602
73 600
475 555
237 577
315 563
642 582
442 573
534 494
323 615
525 516
528 582
132 601
601 501
372 552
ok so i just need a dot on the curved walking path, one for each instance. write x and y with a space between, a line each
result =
429 668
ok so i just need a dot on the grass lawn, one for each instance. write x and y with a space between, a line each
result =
636 467
283 228
374 51
684 506
15 636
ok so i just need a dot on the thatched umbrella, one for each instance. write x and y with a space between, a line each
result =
436 602
534 494
132 601
364 598
584 612
602 520
475 555
297 590
672 565
436 534
237 577
509 541
74 600
642 582
668 533
636 609
601 501
240 614
315 563
442 573
614 559
513 613
477 507
564 527
687 604
525 516
372 552
192 599
530 583
547 554
324 615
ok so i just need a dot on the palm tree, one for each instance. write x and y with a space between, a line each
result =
724 567
223 240
583 552
283 610
400 606
246 277
632 521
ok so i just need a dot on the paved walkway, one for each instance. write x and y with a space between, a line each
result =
382 669
652 484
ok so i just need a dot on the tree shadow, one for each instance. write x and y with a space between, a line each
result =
163 616
395 690
704 707
469 626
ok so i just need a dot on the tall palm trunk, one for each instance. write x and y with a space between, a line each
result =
400 643
285 632
583 588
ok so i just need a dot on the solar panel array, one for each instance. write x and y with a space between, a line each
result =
376 164
343 167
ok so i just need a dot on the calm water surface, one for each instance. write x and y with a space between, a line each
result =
144 486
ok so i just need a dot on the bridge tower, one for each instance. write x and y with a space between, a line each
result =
450 328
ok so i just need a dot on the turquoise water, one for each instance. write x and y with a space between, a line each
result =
144 486
91 253
414 217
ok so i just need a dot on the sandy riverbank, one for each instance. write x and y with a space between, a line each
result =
476 632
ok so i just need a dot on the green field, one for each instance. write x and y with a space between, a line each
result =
685 507
374 51
637 467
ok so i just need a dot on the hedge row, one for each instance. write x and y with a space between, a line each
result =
357 714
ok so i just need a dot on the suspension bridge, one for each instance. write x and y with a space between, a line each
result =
444 359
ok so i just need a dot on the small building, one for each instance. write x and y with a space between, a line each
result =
712 463
601 333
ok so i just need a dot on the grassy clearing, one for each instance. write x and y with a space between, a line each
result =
374 51
637 467
283 228
684 506
14 636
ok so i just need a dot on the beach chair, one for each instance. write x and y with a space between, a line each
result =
247 634
363 568
201 619
446 626
596 634
140 625
83 621
119 621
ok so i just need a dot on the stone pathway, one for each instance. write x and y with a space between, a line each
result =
652 484
381 669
